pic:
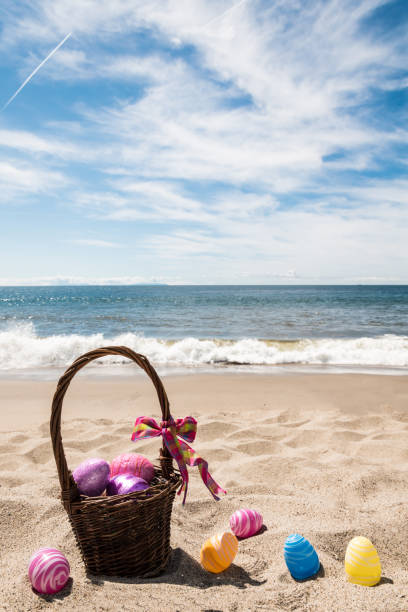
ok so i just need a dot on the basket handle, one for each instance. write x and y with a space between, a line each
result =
68 486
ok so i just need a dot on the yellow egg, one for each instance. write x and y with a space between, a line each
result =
362 563
218 552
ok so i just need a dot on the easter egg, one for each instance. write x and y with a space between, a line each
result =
246 522
48 570
92 476
218 552
125 483
300 556
132 463
362 563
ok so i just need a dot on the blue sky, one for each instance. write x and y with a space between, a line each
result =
193 141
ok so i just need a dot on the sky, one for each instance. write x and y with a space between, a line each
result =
203 141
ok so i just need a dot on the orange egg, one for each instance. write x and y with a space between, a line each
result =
218 552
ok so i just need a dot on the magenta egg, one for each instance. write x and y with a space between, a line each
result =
245 522
125 483
132 463
48 570
92 476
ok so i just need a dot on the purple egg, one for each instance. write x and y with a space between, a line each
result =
125 483
92 476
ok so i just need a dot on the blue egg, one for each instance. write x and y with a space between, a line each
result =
300 556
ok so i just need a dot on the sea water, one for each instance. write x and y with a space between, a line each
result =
207 326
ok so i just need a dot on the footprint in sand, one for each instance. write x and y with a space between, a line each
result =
12 481
5 449
124 430
7 464
252 562
110 450
334 543
241 490
18 439
42 453
231 484
213 430
242 434
376 451
296 423
215 455
54 511
308 437
90 444
54 491
280 417
346 435
204 508
364 423
44 429
268 432
285 578
395 435
254 448
103 422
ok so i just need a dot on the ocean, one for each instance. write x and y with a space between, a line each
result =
330 328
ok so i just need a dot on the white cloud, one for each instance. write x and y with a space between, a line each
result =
243 188
44 281
301 68
20 180
96 243
32 143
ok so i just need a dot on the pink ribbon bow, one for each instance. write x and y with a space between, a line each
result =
172 432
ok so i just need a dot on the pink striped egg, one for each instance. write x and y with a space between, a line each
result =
48 570
245 522
133 463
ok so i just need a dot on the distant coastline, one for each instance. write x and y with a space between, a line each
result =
152 284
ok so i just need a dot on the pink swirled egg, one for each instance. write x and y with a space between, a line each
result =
92 476
48 570
132 463
245 522
125 483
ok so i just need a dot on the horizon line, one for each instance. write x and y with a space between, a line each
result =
311 284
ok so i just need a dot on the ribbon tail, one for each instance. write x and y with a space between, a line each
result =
213 487
176 452
191 458
184 487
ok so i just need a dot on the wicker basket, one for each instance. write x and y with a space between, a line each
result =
120 535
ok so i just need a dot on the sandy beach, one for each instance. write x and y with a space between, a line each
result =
322 455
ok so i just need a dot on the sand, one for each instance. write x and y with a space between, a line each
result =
322 455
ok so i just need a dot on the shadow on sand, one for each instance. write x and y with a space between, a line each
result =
65 592
183 569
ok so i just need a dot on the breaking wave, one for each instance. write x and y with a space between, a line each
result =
22 348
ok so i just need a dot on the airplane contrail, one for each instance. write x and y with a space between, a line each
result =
229 10
35 71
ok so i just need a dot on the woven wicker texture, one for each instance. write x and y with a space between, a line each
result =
119 535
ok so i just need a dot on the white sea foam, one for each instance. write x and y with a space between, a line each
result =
22 348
